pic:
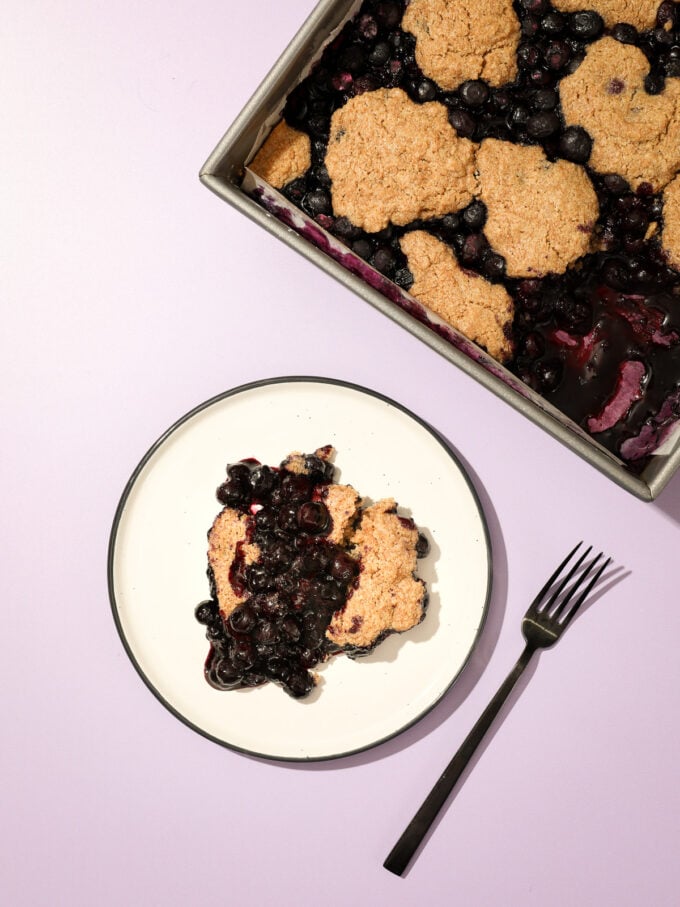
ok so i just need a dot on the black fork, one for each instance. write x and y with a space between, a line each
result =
546 619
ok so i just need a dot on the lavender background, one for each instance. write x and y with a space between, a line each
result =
131 294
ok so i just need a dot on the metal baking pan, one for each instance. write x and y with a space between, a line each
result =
225 173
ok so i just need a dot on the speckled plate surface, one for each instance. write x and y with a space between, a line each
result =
157 566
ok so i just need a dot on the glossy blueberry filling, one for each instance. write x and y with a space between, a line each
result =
599 342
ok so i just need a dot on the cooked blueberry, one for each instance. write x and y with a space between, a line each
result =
240 472
380 54
667 14
474 215
654 82
383 260
263 480
232 492
635 222
313 517
241 619
463 123
549 374
278 668
295 486
574 315
528 55
533 345
403 278
206 612
519 117
291 629
272 604
535 7
615 184
343 568
494 266
317 202
299 683
586 25
473 248
258 578
363 248
367 27
557 55
242 654
553 23
543 125
544 99
474 92
422 546
426 90
624 33
226 673
575 144
265 633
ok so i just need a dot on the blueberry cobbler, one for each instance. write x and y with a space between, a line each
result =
513 168
301 568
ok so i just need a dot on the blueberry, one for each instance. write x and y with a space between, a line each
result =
263 480
473 248
367 27
291 629
380 54
667 13
425 90
403 278
286 519
635 222
226 674
317 202
463 123
232 493
535 7
624 33
265 633
295 486
299 683
278 669
543 125
343 568
206 612
362 248
544 99
548 373
654 82
586 25
553 23
388 13
257 578
422 546
494 266
474 92
575 145
313 517
241 619
474 215
615 184
242 654
533 345
528 55
383 260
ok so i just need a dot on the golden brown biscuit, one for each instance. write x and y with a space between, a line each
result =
540 214
481 310
388 597
285 156
392 161
458 40
634 133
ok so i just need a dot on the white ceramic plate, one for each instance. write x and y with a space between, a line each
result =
157 566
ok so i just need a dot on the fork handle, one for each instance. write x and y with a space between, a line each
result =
402 852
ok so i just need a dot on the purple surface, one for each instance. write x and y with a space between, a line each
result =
132 294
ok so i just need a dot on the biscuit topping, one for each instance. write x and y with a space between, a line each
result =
635 134
457 40
392 161
285 156
480 310
541 214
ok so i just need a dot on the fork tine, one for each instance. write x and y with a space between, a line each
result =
578 583
562 585
552 579
577 604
